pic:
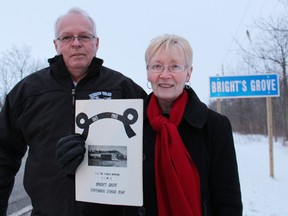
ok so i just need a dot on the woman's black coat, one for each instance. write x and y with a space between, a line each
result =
208 138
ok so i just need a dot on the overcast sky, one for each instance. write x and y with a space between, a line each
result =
126 27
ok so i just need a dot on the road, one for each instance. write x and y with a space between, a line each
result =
19 202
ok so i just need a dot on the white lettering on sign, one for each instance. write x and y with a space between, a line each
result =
244 86
228 86
237 85
263 85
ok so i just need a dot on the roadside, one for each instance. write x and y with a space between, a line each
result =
19 202
23 212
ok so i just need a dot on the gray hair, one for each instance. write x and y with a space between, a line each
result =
167 42
77 11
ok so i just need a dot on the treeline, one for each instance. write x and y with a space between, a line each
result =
15 64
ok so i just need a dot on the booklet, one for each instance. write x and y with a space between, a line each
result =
111 172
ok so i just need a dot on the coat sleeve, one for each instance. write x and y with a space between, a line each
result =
224 179
12 150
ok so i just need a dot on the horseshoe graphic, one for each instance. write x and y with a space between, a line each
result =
83 122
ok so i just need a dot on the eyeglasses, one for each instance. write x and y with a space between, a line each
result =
83 38
175 68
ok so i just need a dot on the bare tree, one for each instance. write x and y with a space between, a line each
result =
273 51
266 52
15 64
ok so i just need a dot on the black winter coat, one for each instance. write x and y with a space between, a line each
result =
37 113
208 138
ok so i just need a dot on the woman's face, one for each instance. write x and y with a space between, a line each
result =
166 85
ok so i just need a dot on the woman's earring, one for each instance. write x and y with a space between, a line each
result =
148 86
188 85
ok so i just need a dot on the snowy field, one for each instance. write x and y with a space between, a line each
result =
262 195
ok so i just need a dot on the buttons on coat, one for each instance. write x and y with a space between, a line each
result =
143 157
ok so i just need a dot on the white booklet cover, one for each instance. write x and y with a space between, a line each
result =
111 172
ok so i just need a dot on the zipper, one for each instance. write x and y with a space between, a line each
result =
73 97
73 94
72 183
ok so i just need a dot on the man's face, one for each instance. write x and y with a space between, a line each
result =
77 54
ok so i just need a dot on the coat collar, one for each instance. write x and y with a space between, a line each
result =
58 66
196 112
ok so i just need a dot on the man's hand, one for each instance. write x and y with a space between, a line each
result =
70 152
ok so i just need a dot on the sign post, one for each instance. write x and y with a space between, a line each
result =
265 85
270 134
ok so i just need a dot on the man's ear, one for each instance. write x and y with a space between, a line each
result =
56 46
97 43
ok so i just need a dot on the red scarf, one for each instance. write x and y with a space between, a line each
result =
177 178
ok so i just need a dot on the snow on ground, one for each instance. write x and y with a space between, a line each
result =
262 195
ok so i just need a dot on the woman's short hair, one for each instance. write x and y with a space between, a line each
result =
167 42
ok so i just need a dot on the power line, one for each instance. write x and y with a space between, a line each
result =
237 30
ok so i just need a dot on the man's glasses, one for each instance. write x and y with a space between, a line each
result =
83 38
158 68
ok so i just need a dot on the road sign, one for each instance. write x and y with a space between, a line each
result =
265 85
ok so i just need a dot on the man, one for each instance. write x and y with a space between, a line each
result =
39 111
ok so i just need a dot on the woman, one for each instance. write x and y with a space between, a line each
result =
190 166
